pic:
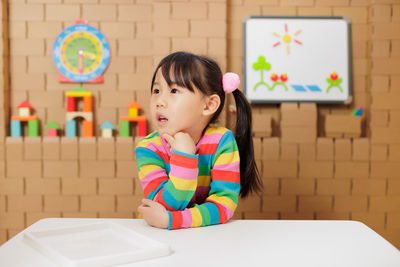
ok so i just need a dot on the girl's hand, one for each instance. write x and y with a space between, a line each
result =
182 142
154 213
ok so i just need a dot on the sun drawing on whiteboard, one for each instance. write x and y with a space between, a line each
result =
286 38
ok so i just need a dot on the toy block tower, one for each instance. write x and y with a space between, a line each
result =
133 116
107 129
73 113
24 110
52 129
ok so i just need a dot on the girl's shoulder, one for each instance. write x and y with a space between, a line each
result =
151 139
217 130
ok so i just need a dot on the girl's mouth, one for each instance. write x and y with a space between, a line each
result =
161 119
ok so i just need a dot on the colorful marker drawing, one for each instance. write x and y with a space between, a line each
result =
287 39
275 78
261 65
334 81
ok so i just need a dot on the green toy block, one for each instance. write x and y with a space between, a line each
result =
124 128
33 128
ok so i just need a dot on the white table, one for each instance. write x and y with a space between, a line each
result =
237 243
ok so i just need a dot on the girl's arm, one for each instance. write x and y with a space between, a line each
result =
224 193
174 191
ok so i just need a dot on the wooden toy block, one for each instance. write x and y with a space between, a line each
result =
40 186
124 128
98 203
125 148
85 115
52 129
87 148
24 109
57 203
142 128
88 104
87 128
54 169
71 128
137 118
51 148
93 169
112 186
24 169
107 129
78 186
71 104
69 148
33 128
78 94
27 118
33 148
16 130
105 148
22 203
14 148
127 169
133 112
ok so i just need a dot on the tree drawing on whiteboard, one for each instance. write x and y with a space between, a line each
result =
287 39
262 65
334 81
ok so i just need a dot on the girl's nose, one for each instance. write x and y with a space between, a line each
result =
161 103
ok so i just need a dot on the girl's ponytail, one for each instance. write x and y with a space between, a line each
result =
250 180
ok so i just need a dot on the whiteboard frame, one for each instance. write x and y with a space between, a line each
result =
349 60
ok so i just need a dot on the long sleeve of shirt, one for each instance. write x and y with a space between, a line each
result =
216 166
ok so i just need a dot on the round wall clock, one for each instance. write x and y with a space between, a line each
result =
81 53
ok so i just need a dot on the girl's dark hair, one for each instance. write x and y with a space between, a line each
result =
193 71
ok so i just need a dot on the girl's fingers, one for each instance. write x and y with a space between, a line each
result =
168 138
147 202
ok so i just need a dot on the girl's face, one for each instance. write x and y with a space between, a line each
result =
176 109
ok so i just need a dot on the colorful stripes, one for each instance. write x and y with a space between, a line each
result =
210 180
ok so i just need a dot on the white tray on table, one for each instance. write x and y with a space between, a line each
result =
100 244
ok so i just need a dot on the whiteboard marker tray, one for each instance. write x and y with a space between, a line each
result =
100 244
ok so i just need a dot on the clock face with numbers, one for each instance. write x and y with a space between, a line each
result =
81 53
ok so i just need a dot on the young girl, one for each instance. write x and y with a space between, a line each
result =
190 172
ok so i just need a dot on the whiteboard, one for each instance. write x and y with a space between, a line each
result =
297 59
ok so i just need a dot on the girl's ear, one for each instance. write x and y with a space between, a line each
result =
211 105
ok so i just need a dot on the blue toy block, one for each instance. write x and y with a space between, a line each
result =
71 128
16 129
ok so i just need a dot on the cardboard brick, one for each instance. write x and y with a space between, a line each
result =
130 82
304 115
271 186
236 216
135 47
105 148
39 29
51 148
298 135
24 169
138 188
13 186
279 203
371 187
342 149
92 169
385 203
386 66
333 187
325 149
62 12
14 148
356 14
12 219
348 169
251 203
289 151
128 203
393 187
206 28
24 203
273 169
78 186
314 169
69 148
251 215
388 169
380 83
237 12
381 13
189 10
380 48
195 45
122 65
315 203
32 217
379 152
161 46
55 203
2 150
127 169
165 28
342 125
144 30
124 148
32 148
373 220
351 203
297 216
87 214
385 135
297 186
314 11
115 99
117 215
42 186
97 203
26 12
393 220
53 169
261 125
361 149
27 47
87 148
137 12
271 148
112 186
307 151
118 30
103 12
3 236
257 148
162 10
3 203
332 215
385 101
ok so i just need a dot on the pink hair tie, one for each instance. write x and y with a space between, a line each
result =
230 82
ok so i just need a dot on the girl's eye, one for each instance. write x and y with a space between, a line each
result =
174 91
156 91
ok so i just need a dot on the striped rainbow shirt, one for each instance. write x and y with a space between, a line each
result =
197 190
